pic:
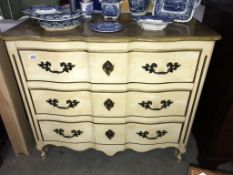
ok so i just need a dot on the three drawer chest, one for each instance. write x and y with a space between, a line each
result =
128 90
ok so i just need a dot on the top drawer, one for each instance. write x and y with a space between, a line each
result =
55 66
163 67
132 67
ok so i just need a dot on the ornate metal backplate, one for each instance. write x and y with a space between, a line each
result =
109 134
148 104
75 133
108 67
66 67
109 104
71 103
152 68
145 134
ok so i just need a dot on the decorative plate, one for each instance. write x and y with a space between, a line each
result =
150 23
174 10
153 25
111 1
106 27
60 21
149 17
64 16
42 10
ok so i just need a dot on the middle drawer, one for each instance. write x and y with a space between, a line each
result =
102 104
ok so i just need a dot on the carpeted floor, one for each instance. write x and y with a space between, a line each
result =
61 161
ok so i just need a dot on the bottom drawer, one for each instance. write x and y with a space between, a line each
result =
153 133
110 134
66 132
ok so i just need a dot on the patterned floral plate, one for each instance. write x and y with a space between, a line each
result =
175 10
64 16
151 23
106 27
42 10
150 17
59 21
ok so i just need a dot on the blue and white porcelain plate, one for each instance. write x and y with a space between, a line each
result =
106 27
64 16
42 10
60 21
150 23
149 17
111 1
173 10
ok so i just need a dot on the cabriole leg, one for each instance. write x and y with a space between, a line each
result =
43 154
179 155
43 151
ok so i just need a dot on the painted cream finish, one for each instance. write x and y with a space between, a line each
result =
178 106
172 135
123 133
87 67
31 58
93 103
48 133
42 106
119 63
185 73
144 99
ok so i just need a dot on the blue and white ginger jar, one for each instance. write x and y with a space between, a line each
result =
111 9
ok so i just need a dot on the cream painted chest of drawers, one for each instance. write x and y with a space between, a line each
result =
110 92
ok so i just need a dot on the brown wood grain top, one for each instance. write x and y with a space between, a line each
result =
193 30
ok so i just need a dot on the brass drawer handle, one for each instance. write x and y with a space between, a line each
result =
71 103
152 68
67 67
164 104
145 134
75 133
108 67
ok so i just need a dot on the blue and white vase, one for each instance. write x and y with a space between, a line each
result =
87 8
138 7
111 9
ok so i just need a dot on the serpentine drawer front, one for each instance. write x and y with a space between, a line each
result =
162 67
55 66
77 66
67 132
112 134
113 94
76 103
